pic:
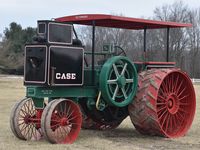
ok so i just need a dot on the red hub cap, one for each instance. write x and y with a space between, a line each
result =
27 119
64 121
172 104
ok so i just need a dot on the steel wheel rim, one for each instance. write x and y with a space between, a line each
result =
63 123
26 121
175 104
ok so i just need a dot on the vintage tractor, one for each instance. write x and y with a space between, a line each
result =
65 92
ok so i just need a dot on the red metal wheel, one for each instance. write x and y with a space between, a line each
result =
61 121
25 120
165 103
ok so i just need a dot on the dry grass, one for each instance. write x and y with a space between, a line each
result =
124 137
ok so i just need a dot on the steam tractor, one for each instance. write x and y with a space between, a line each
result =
66 91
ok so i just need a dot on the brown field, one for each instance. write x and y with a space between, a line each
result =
122 138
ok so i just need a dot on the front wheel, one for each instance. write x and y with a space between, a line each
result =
25 120
61 121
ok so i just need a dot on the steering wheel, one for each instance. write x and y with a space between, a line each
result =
121 51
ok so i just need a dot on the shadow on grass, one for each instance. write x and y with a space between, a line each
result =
118 133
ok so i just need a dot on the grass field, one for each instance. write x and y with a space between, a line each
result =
122 138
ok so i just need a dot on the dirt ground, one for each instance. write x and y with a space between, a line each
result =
125 137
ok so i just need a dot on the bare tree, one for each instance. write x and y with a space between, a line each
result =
177 12
194 41
184 43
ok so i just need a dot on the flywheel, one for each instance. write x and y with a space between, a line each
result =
118 81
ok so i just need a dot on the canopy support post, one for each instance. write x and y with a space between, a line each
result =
167 56
144 44
93 49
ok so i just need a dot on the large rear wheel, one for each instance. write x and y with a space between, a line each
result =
165 103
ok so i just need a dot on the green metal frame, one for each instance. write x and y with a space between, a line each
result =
38 93
90 89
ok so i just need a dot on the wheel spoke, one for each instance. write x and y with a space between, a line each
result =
170 123
70 114
178 119
24 127
69 108
171 83
55 120
162 114
175 121
124 93
28 131
33 107
183 97
129 80
35 133
63 133
181 92
184 104
124 69
164 120
160 104
179 87
31 132
112 81
115 70
24 112
115 92
181 115
72 118
183 110
167 121
164 107
65 109
66 131
61 108
168 84
163 99
165 87
176 84
55 125
73 123
162 92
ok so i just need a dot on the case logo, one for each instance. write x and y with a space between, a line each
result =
66 76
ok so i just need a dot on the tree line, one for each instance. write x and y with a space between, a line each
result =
12 45
184 43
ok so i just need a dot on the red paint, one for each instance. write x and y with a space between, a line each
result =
165 103
155 63
103 20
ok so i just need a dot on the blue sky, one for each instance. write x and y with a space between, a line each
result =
27 12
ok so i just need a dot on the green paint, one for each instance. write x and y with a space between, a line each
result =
51 92
106 76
